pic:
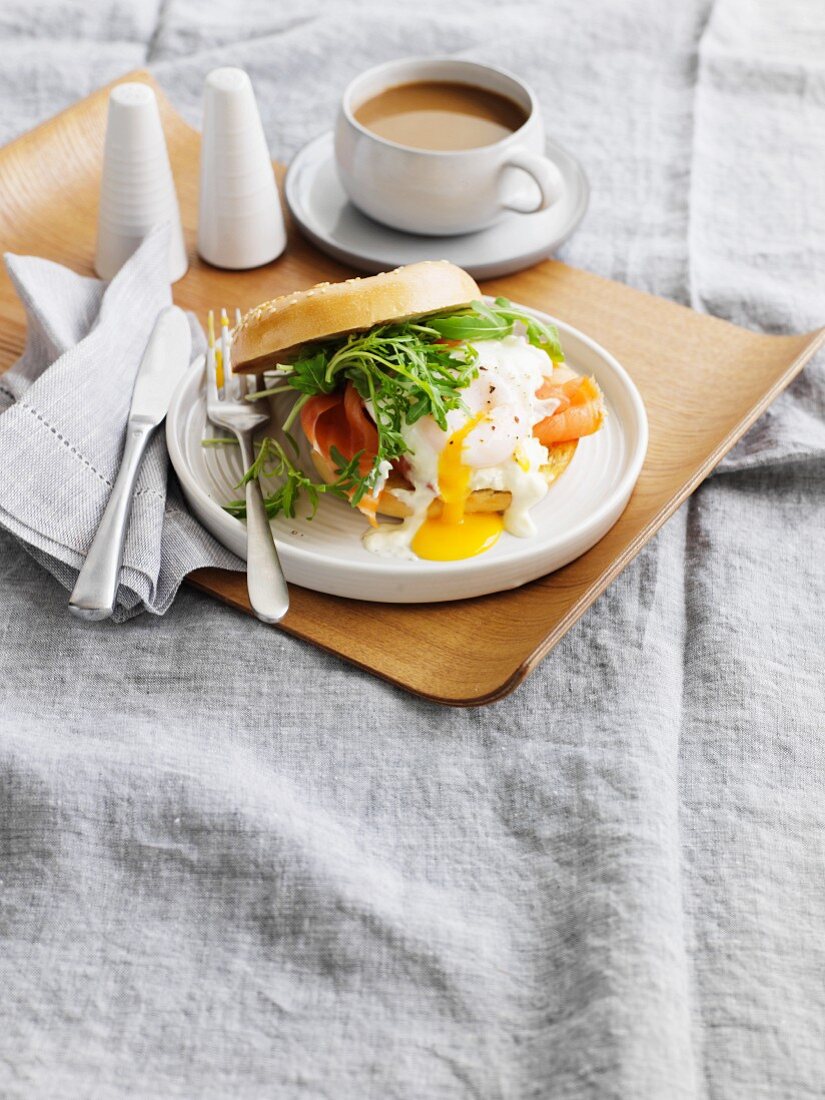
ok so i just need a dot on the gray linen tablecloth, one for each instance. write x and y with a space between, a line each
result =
231 866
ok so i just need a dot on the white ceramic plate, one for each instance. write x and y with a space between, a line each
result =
325 553
321 208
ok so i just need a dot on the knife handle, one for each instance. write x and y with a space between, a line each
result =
95 591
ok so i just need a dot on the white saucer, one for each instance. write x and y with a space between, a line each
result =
320 206
326 553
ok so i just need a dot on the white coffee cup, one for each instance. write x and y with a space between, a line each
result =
435 192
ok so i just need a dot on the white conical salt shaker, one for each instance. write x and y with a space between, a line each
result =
137 191
240 222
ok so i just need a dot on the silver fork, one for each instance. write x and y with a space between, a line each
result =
227 407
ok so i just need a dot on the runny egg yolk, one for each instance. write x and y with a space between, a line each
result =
454 534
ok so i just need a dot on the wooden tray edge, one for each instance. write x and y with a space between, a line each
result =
810 343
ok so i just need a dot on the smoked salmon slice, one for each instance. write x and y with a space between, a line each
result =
314 409
340 420
580 411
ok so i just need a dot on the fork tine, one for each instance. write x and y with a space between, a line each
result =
226 391
211 359
230 388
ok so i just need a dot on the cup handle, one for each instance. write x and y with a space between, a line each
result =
547 176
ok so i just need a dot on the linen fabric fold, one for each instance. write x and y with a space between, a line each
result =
63 412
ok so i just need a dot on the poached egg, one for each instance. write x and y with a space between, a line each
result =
490 445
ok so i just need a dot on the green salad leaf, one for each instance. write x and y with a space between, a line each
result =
273 461
402 372
483 322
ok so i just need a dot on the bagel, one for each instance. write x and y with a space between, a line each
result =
376 386
274 331
479 500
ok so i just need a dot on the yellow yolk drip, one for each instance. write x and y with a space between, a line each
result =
454 535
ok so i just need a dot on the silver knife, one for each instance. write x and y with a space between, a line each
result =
163 364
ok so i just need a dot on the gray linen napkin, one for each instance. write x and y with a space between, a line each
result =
63 412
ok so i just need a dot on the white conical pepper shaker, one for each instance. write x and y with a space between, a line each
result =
240 222
137 191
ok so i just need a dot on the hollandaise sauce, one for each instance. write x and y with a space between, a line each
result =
456 534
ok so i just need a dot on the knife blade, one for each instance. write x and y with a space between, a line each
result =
164 363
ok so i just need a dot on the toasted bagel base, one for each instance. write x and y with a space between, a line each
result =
480 500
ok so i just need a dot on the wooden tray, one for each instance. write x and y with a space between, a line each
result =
467 652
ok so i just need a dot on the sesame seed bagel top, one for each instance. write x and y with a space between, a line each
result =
275 330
